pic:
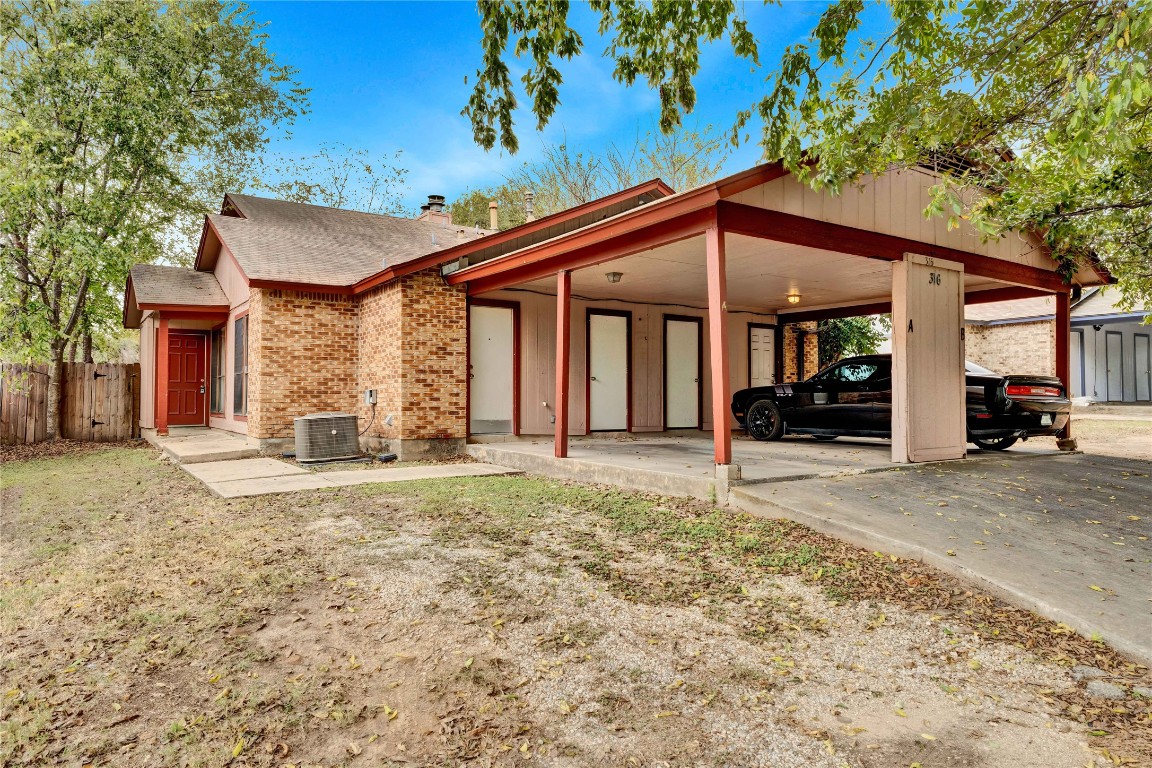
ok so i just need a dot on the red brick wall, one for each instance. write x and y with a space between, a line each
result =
811 351
379 344
302 358
1014 348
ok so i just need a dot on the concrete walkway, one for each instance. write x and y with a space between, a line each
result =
1067 536
257 477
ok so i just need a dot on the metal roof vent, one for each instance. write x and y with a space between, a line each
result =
326 437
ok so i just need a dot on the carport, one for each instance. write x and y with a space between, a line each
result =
646 319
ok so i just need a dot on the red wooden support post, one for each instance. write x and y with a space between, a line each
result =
1063 331
563 358
718 343
162 377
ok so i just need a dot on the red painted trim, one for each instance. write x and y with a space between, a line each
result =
699 321
718 343
762 327
178 310
627 315
563 359
778 350
515 307
786 228
160 399
585 250
1063 330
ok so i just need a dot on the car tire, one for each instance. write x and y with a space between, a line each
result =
995 443
764 421
824 438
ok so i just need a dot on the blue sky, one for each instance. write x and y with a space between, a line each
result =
390 76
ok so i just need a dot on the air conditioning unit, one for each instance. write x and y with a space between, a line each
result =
326 437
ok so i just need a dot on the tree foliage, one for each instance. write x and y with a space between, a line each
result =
848 336
1036 115
566 177
107 109
338 176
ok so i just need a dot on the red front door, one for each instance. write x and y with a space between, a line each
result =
186 356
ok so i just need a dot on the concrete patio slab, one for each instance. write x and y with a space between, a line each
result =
1068 536
241 469
198 445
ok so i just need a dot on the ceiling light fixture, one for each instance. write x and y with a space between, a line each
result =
793 298
614 277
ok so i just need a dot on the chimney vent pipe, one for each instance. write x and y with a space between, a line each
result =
528 214
493 215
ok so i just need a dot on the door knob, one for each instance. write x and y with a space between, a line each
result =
593 378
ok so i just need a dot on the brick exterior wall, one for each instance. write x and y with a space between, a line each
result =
811 351
1013 348
413 341
302 358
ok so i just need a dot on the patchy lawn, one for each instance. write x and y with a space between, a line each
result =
1105 437
510 621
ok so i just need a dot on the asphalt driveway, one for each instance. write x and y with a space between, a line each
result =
1067 536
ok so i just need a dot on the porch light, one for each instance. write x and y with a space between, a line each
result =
614 277
793 298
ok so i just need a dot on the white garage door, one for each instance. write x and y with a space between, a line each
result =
608 371
491 351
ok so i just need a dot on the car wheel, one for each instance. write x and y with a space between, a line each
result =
764 421
824 438
995 443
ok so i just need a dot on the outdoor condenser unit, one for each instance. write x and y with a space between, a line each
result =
326 437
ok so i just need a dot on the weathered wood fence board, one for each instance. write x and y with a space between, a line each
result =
99 402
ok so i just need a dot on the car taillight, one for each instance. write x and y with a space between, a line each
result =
1031 390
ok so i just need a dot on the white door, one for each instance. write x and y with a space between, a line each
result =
927 360
1076 355
1114 362
491 351
682 373
608 372
761 356
1143 366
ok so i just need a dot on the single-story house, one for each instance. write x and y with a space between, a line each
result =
1111 348
637 312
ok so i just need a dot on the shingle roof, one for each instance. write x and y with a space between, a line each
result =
302 243
1037 307
157 284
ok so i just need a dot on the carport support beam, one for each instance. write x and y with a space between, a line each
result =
563 358
1063 330
718 343
161 399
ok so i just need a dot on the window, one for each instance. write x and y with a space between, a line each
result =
216 397
852 372
240 372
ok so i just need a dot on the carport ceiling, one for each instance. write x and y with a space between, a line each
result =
761 274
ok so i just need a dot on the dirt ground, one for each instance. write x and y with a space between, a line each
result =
1111 437
507 621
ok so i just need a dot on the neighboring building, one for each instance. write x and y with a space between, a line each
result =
1110 349
637 312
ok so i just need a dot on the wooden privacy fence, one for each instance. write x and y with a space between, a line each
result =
99 402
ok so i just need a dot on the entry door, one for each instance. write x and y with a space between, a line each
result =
761 356
608 370
492 378
1143 366
1076 355
1114 362
927 360
186 354
682 372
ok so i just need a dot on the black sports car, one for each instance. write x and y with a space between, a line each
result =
854 397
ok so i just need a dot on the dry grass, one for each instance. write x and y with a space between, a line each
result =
504 621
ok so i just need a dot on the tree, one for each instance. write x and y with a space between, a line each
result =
337 176
1036 115
566 177
847 336
106 106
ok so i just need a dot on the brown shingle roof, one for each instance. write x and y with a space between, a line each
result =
301 243
1037 307
157 284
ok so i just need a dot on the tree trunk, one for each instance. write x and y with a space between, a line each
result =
72 352
88 347
55 390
